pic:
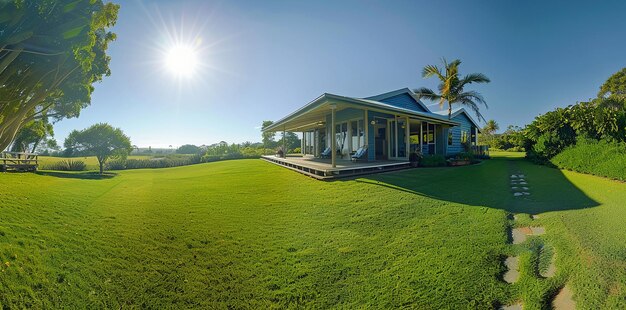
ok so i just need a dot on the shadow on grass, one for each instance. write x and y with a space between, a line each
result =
489 185
89 175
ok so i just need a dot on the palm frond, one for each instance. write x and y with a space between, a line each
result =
474 78
426 93
473 96
469 102
432 70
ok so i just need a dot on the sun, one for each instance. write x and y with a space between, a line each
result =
182 60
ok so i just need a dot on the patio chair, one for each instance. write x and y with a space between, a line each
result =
361 154
326 153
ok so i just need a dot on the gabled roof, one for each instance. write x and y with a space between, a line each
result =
457 112
399 92
326 99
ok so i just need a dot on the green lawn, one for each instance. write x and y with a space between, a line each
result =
249 234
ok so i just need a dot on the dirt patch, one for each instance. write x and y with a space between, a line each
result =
512 274
517 306
564 300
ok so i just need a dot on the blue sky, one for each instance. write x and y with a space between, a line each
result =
264 59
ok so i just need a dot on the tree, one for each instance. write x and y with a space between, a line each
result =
100 140
188 149
291 141
615 86
31 135
51 52
451 87
491 127
268 137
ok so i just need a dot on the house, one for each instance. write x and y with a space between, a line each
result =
390 125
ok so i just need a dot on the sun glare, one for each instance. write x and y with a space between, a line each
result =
182 60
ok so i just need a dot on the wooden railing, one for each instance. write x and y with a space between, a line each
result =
480 150
17 161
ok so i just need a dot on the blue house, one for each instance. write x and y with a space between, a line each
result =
390 126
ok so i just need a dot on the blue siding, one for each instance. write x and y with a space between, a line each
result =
466 125
404 101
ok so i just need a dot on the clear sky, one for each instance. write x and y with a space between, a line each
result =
263 59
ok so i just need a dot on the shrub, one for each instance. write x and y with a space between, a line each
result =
116 164
154 163
66 165
297 150
433 161
602 158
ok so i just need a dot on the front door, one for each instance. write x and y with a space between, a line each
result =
381 142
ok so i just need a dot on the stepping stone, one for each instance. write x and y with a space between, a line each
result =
534 217
536 231
517 306
526 193
519 234
564 299
521 176
523 183
513 176
512 274
521 180
514 187
517 194
525 188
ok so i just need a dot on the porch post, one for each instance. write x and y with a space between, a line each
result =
333 143
366 123
406 136
302 144
422 137
284 144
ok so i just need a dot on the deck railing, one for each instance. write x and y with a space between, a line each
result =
480 150
18 161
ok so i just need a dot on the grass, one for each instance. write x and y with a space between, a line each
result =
248 234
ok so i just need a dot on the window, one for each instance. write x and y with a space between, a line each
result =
429 133
463 136
449 136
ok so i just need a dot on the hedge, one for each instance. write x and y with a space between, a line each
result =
601 158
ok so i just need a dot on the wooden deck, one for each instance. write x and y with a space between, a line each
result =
13 161
322 169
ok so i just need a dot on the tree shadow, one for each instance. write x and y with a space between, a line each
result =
489 185
89 175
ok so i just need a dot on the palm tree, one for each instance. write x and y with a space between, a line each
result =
451 87
491 127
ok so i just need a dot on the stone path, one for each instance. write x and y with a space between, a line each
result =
512 275
564 300
519 234
518 185
517 306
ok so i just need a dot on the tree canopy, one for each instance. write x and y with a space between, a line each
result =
31 135
189 149
615 85
51 52
100 140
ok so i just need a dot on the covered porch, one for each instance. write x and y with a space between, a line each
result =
322 168
343 125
